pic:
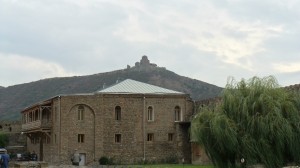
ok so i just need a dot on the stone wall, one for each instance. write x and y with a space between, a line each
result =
100 127
10 126
17 141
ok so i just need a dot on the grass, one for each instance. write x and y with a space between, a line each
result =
169 166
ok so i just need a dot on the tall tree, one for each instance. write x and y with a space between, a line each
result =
257 121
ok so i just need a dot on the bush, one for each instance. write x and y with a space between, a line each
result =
106 161
103 160
171 160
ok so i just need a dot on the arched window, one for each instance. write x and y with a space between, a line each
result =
150 114
117 113
80 113
177 112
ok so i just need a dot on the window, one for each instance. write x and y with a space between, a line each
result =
170 136
80 138
150 114
177 113
55 112
117 113
150 137
117 138
80 113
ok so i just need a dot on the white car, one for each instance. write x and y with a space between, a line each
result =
2 150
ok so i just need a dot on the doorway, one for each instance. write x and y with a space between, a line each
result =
82 159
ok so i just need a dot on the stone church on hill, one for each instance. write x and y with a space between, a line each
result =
130 122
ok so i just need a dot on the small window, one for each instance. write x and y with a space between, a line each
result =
150 114
80 138
177 113
80 113
55 113
117 138
150 137
117 113
170 136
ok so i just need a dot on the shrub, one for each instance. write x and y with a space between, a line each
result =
103 160
171 160
106 161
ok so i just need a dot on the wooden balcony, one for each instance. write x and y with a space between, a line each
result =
37 125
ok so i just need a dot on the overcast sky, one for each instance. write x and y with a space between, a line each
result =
207 40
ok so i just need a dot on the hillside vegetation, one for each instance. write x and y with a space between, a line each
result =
15 98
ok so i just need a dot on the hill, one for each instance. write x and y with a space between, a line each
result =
15 98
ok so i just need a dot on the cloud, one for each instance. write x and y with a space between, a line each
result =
211 29
19 69
206 40
287 68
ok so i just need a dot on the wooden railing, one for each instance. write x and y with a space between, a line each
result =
37 124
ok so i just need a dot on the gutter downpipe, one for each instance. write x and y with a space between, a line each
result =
144 133
94 135
59 147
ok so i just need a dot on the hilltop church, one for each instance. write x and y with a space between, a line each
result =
130 122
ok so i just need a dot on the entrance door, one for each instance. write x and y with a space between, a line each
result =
82 159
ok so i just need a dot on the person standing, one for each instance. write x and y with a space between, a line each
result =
34 156
4 160
76 158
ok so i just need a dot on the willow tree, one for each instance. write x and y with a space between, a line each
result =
256 120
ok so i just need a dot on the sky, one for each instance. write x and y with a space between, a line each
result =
204 40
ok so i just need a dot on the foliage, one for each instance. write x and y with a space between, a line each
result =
168 166
256 120
171 159
3 140
106 161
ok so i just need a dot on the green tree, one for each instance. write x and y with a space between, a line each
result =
256 120
3 140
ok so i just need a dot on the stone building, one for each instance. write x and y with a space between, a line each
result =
10 127
130 122
16 141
